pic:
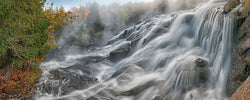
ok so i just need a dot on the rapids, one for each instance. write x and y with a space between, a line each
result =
179 56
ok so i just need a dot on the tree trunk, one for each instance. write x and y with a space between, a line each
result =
27 66
8 70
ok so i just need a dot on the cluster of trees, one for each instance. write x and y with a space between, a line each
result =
26 33
87 27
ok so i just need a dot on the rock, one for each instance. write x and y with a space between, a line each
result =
78 82
92 98
138 89
236 74
230 5
200 62
124 34
240 68
153 33
142 30
72 78
191 73
243 92
244 37
121 51
204 72
188 17
244 27
91 59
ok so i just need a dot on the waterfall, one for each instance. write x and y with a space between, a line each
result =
177 56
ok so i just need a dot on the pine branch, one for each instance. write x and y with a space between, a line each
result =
13 47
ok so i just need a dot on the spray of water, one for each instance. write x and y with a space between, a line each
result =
177 56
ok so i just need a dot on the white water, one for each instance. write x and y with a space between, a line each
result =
161 66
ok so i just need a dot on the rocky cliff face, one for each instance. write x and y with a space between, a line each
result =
240 69
242 92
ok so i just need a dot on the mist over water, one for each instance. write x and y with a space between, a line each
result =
183 55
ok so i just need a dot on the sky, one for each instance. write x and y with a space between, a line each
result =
68 4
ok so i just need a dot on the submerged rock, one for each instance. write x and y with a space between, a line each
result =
124 34
121 51
191 73
91 59
200 62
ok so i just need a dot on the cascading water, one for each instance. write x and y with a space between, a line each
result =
178 56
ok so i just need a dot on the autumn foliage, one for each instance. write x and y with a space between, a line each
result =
26 36
20 84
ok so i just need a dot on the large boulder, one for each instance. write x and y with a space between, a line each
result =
191 73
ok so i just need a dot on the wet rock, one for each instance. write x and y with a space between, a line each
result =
124 34
188 17
158 98
237 73
138 89
154 33
240 68
75 77
132 69
230 5
77 82
121 51
142 31
191 75
202 66
92 98
200 62
165 24
91 59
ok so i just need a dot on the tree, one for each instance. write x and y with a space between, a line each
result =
94 22
26 33
23 32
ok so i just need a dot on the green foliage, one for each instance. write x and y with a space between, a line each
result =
56 19
23 28
26 30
